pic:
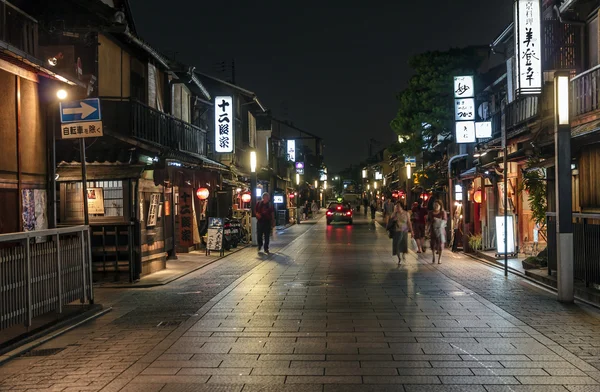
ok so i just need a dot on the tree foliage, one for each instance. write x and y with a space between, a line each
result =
534 183
426 105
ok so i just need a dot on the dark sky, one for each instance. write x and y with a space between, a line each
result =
332 70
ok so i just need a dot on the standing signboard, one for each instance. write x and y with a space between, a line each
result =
510 239
214 236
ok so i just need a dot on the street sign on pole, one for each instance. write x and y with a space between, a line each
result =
82 129
80 111
412 161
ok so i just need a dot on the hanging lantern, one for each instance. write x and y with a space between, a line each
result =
246 198
292 195
202 193
477 197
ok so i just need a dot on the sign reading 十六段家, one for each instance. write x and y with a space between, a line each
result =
528 46
224 124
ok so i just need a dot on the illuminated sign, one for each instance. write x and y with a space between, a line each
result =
278 199
463 87
464 109
224 124
300 167
465 132
378 176
291 150
510 243
528 47
483 130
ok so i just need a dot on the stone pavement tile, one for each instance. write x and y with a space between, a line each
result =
583 388
170 379
160 371
444 388
323 364
401 380
222 357
289 357
435 372
495 357
323 380
396 364
466 364
525 388
246 380
546 357
283 388
557 380
201 388
191 363
243 363
565 372
364 388
214 371
308 371
505 380
143 387
359 357
509 372
537 364
372 371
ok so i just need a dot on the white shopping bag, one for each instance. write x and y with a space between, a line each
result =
413 244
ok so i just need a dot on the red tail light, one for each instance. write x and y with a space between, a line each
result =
349 213
329 213
339 208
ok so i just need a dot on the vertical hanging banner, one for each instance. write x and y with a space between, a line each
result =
464 109
224 124
291 150
528 44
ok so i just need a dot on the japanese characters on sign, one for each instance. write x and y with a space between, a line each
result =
483 130
300 167
153 210
82 129
291 150
463 87
95 199
464 109
186 225
465 132
529 47
277 199
224 124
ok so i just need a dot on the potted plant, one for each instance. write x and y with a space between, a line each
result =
476 242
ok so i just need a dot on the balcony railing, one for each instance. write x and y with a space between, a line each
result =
133 118
520 111
585 91
18 29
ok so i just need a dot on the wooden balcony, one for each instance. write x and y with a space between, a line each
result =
132 118
585 92
18 30
520 111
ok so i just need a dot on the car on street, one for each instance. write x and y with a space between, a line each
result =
339 212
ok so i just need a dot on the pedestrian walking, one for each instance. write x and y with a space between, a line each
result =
400 223
373 208
418 219
265 217
366 205
437 220
315 208
388 210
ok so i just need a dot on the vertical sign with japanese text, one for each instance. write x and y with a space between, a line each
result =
528 44
291 150
464 109
224 124
186 225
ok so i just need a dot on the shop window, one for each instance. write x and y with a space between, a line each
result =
105 198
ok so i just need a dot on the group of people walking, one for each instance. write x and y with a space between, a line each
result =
420 223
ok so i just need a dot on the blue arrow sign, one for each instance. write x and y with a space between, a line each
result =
80 111
410 160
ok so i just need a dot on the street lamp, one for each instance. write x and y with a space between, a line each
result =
253 181
564 212
364 173
297 179
325 185
375 185
62 94
316 184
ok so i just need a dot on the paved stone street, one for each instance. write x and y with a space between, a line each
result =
330 310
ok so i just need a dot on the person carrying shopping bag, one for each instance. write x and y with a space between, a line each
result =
400 222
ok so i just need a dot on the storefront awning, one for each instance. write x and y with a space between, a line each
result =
585 129
469 174
71 171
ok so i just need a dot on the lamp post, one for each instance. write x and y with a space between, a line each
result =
564 213
253 181
408 177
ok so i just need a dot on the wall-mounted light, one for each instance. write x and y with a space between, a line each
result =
253 161
562 99
297 179
62 94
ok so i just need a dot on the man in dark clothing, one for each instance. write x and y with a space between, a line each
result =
265 221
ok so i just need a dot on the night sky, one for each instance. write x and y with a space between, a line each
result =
334 71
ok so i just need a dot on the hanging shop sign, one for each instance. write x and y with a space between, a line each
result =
465 132
528 46
300 168
510 243
291 150
483 130
153 210
186 215
463 87
464 109
224 124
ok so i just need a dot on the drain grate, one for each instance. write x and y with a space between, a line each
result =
168 324
44 352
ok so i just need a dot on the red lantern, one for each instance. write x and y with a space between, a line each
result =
477 197
292 195
246 198
202 193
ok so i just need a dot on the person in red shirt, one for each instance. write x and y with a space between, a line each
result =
265 221
418 218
